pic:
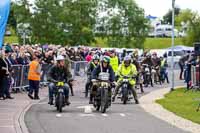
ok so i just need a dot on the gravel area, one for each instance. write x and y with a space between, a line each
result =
149 105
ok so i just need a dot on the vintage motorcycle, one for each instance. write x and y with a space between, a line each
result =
102 99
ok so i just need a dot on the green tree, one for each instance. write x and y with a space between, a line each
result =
192 20
12 21
167 18
126 25
64 21
80 20
19 15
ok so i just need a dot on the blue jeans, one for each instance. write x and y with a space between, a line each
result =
52 90
164 74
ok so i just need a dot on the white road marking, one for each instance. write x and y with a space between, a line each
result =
87 115
123 115
58 115
87 109
105 115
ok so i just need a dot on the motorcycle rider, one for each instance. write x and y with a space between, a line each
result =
127 69
56 74
156 64
147 60
91 66
104 66
135 60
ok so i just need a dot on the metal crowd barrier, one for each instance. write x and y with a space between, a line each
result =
16 76
20 73
195 82
45 69
79 68
19 77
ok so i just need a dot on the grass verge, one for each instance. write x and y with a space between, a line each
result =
150 43
183 104
11 39
160 43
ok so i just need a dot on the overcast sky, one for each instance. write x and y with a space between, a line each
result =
160 7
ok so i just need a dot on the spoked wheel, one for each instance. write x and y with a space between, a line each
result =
125 95
60 102
104 99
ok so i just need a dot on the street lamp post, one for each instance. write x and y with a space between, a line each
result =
24 37
172 61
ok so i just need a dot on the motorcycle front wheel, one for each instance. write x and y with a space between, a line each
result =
60 102
104 100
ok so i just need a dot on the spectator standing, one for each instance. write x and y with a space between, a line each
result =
89 57
4 76
7 80
34 77
182 61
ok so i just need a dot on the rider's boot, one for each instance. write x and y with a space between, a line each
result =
67 101
136 101
50 101
113 99
91 99
141 86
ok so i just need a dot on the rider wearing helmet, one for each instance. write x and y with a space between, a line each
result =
91 66
135 60
148 59
58 74
156 64
104 66
127 69
156 60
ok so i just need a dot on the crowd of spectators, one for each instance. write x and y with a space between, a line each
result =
15 55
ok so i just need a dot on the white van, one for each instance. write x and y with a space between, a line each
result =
165 31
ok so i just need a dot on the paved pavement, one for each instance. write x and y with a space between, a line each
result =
130 118
11 111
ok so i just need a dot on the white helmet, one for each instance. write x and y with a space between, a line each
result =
60 57
127 58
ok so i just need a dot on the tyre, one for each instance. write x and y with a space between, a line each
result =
125 95
60 102
104 100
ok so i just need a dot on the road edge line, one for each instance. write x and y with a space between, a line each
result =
20 119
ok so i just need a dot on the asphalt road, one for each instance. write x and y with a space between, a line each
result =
130 118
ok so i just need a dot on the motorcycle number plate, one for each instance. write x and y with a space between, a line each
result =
125 85
125 80
61 90
153 71
147 69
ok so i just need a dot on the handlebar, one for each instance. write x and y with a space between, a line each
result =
127 77
99 80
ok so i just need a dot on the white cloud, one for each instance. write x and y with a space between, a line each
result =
160 7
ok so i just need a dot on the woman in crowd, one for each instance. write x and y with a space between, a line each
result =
5 70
